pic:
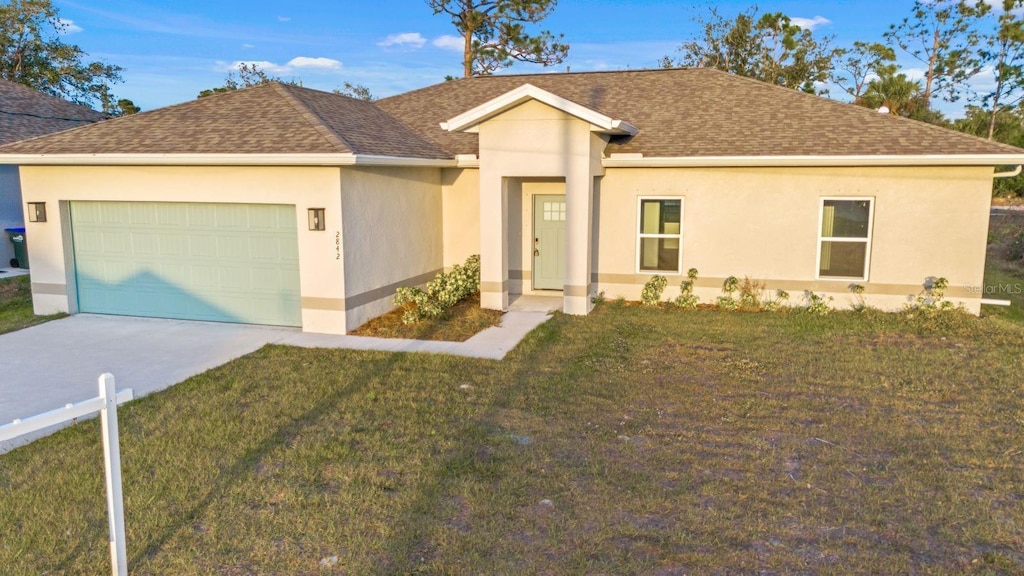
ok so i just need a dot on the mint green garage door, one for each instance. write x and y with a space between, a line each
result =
216 262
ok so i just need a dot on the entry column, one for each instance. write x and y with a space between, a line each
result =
493 245
579 200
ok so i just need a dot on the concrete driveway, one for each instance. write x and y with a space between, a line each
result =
53 364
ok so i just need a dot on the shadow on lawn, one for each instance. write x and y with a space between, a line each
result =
373 368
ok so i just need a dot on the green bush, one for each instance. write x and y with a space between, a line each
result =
651 294
446 290
686 298
726 301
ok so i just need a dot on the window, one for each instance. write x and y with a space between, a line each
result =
844 238
659 243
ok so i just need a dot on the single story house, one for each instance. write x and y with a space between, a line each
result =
284 205
26 113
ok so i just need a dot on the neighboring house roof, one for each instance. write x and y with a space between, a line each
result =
267 119
27 113
679 113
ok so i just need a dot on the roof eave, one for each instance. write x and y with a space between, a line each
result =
328 159
640 161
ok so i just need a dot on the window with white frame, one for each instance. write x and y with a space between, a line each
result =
844 238
660 238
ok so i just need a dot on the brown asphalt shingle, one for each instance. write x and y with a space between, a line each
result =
697 112
267 119
683 112
26 113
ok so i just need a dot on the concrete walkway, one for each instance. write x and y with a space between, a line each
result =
47 366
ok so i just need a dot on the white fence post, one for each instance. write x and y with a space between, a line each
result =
112 457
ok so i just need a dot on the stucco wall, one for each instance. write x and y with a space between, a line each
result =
534 140
321 267
11 214
460 207
392 222
763 223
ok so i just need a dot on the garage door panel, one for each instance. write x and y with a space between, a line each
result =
188 261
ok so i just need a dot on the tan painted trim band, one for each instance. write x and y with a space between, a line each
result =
494 287
54 289
332 304
875 288
578 291
520 275
370 296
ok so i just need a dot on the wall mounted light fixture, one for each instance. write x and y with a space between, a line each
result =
37 211
316 219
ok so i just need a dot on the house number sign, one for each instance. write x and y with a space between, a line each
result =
337 245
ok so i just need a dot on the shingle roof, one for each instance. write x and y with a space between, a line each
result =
681 112
26 113
697 112
268 119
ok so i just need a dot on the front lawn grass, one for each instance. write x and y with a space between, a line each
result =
458 324
1004 274
16 305
631 441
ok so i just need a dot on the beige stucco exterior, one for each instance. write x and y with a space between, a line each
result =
460 192
383 227
392 235
531 141
763 223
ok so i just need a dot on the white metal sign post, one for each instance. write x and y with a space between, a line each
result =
106 405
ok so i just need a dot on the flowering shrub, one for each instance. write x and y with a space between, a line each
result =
933 297
726 301
686 298
651 294
446 290
817 304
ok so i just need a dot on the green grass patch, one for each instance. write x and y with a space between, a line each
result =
1004 270
630 441
16 305
458 324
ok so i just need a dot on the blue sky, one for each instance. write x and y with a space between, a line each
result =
172 50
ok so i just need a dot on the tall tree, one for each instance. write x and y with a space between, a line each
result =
940 34
1003 52
494 33
357 91
1009 129
245 76
32 53
856 66
893 90
769 47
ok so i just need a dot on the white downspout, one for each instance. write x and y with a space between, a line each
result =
1009 174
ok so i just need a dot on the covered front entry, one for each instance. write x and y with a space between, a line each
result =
193 261
548 242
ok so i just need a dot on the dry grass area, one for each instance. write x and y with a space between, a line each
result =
16 305
1004 266
631 441
460 323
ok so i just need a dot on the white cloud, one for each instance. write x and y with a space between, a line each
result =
810 23
69 26
284 18
318 63
410 39
247 46
449 42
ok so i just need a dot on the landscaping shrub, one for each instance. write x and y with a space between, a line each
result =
443 292
686 298
726 301
651 294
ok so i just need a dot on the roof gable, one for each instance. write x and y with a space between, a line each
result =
469 120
